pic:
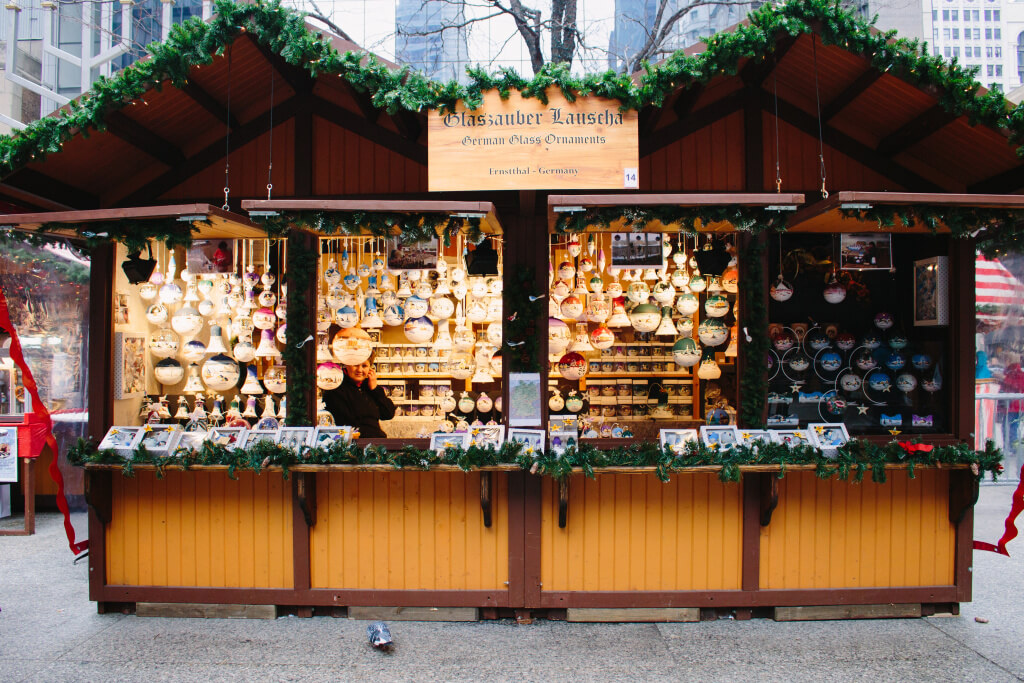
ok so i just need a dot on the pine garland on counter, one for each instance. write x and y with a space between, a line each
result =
856 457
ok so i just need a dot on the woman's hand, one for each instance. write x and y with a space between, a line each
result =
371 379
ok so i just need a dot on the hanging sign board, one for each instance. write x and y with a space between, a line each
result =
523 144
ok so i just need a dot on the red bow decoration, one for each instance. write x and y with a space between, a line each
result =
45 424
911 448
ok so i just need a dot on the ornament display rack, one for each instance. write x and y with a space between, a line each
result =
215 337
427 360
636 378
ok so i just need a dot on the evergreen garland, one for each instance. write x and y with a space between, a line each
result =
523 311
754 382
856 457
413 227
301 270
685 218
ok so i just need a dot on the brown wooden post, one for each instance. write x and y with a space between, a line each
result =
303 294
101 341
961 315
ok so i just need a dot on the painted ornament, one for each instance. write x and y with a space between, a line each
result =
883 320
906 382
781 290
712 332
572 366
686 353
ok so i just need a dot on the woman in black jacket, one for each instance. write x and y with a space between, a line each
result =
359 402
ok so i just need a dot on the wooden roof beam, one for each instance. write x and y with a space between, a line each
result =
852 92
137 135
856 150
209 103
1005 182
690 124
296 77
211 154
754 72
33 182
914 131
371 131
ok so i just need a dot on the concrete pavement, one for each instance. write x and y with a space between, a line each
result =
49 631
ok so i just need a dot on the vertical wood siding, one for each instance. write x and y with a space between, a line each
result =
408 531
345 163
634 533
201 529
834 534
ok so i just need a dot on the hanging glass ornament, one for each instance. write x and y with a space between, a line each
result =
264 319
712 332
599 309
781 290
835 291
645 317
650 275
687 303
332 275
906 382
352 346
441 307
666 328
883 320
281 334
346 317
895 361
244 351
419 330
783 341
898 341
221 373
191 294
164 343
708 368
799 362
267 347
574 402
830 361
266 298
586 264
581 342
850 382
601 337
415 307
619 317
714 285
275 379
168 371
684 326
871 341
463 339
250 278
731 280
182 412
572 366
443 340
371 318
351 280
394 315
494 333
187 321
596 284
733 349
193 350
156 314
574 248
251 386
865 361
329 376
555 402
614 289
921 361
845 341
571 307
716 306
194 385
663 292
476 311
817 340
484 404
461 365
638 292
697 283
170 293
601 261
404 290
679 279
878 380
559 337
147 291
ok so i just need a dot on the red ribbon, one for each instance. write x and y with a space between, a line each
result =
43 415
915 447
1016 507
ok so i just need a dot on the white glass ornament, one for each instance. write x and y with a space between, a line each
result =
555 402
220 373
686 353
216 344
419 330
244 351
441 307
187 321
494 333
164 343
572 366
329 376
716 306
781 290
251 386
193 350
559 337
618 317
351 346
168 371
194 385
275 379
267 347
156 314
461 365
264 319
147 291
645 317
282 334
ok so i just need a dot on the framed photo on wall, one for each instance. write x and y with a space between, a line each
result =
931 292
211 257
412 255
129 365
865 251
637 250
677 439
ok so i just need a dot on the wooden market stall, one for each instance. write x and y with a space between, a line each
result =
319 171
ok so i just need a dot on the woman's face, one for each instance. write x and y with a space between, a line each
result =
358 372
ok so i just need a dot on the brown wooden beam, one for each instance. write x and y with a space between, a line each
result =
303 148
690 124
851 147
1005 182
914 131
755 71
137 135
409 124
852 92
687 100
211 154
210 104
101 341
372 132
298 78
753 145
33 182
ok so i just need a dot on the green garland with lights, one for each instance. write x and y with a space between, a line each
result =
413 227
525 310
855 458
1000 231
684 218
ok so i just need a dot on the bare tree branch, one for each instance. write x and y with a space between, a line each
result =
319 15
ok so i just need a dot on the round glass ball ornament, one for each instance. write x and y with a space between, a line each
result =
895 361
419 330
845 341
461 365
559 336
883 320
921 361
187 321
571 307
781 290
572 366
274 379
712 332
329 376
906 382
898 341
850 382
168 372
164 343
601 337
351 346
244 351
645 317
157 314
835 292
686 353
687 303
220 373
716 306
264 319
865 361
831 361
879 381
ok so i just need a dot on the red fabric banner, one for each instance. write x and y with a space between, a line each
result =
1016 507
45 423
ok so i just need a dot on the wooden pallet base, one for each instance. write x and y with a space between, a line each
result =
189 610
634 614
829 612
415 613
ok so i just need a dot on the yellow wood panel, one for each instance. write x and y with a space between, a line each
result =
835 534
201 529
633 532
408 531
